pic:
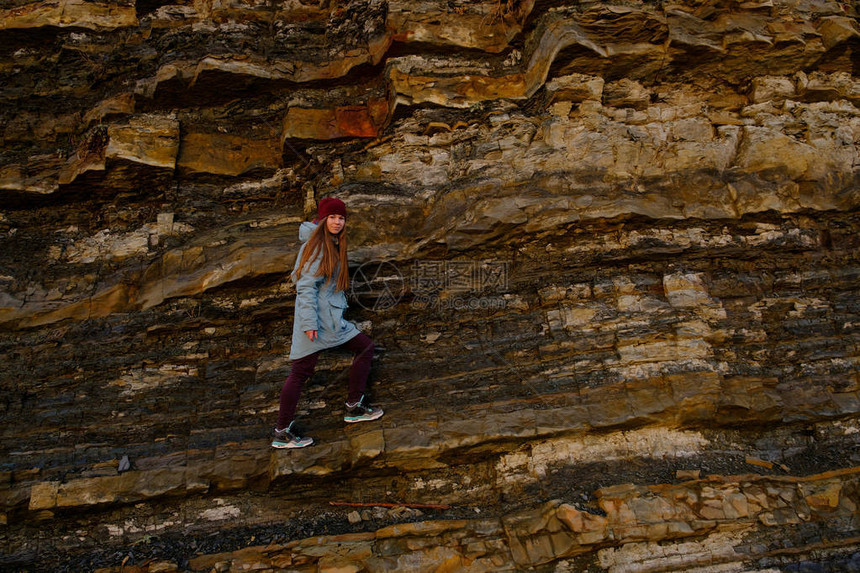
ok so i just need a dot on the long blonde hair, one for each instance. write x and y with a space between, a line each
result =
333 255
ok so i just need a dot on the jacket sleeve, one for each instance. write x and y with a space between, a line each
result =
307 296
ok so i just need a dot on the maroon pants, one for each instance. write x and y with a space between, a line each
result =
303 368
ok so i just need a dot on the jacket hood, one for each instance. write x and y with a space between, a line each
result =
305 230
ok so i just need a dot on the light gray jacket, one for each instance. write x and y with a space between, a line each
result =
318 306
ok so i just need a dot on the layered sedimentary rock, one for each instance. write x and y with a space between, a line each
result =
608 253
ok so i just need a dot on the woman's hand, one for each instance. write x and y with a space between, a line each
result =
312 334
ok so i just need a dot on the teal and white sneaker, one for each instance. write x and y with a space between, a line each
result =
289 438
361 412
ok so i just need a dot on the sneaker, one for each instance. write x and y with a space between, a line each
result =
361 412
289 438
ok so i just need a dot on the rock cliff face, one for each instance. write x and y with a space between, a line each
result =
608 251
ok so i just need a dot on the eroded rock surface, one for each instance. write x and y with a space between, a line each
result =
608 252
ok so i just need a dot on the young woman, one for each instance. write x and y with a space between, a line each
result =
321 276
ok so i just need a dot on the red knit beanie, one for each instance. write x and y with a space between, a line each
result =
330 206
